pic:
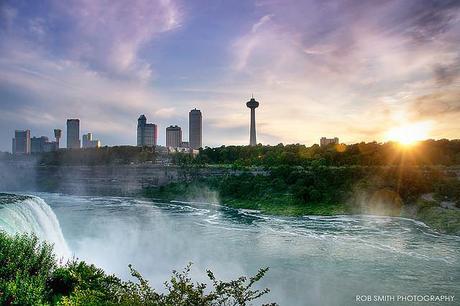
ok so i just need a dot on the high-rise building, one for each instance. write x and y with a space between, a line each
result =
86 138
21 142
252 104
57 135
173 136
37 144
41 144
73 134
195 129
324 142
89 142
147 133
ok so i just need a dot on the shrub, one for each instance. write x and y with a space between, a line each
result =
25 265
30 275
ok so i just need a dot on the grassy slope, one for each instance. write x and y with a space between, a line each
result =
441 219
444 220
286 206
429 212
270 203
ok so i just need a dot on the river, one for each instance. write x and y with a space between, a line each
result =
313 260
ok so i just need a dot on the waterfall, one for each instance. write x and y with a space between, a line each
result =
30 214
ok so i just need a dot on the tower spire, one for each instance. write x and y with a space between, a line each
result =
252 104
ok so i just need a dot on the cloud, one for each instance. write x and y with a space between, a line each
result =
106 35
261 22
348 68
80 59
446 74
7 14
49 90
427 20
319 68
436 105
109 35
166 112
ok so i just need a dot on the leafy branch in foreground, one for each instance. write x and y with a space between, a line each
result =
30 275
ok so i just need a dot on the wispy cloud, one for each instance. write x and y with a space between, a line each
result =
106 35
110 34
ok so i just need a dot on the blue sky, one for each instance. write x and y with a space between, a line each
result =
351 69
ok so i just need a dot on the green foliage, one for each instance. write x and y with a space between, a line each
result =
86 281
443 220
30 275
449 190
324 190
429 152
309 186
25 265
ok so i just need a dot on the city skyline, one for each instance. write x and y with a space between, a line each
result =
358 71
147 135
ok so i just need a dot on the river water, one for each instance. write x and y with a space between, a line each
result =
312 260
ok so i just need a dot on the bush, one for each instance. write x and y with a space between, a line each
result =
30 275
25 265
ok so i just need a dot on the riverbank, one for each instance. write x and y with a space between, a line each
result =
284 204
271 203
431 213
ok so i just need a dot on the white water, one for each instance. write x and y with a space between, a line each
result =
313 260
33 215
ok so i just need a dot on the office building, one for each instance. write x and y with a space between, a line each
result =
37 144
21 142
73 134
324 142
89 142
185 144
195 129
147 133
173 136
252 104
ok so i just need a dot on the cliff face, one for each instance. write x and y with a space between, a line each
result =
101 179
115 180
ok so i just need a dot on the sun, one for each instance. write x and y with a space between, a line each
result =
409 133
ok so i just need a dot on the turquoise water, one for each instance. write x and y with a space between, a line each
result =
312 260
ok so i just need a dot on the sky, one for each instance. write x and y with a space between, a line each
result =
348 69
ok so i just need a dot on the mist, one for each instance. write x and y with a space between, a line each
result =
351 254
312 259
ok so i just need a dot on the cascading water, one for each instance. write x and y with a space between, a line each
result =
30 214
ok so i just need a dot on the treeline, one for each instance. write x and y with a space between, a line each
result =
30 275
429 152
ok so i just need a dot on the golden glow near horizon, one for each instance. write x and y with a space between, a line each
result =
409 133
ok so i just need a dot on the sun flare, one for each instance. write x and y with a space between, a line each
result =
409 133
